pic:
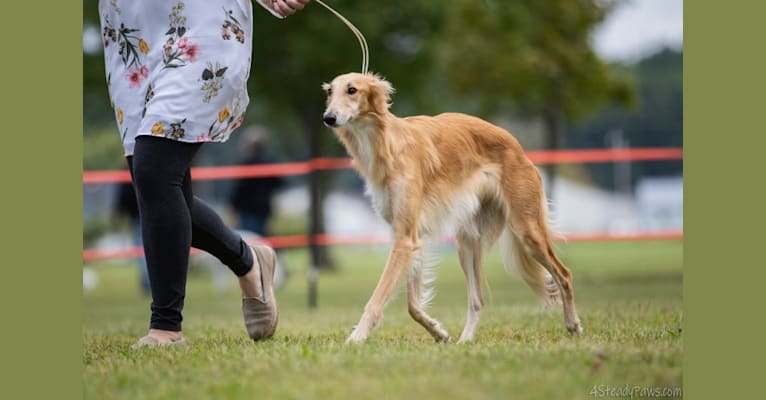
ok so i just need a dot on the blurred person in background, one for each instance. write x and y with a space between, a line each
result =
251 197
177 77
128 207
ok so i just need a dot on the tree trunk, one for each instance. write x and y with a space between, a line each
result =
318 184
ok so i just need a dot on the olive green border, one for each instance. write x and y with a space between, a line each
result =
41 175
724 142
41 200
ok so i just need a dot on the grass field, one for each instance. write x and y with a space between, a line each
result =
629 297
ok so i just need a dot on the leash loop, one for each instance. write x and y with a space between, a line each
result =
357 33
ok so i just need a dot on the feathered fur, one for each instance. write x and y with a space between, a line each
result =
424 174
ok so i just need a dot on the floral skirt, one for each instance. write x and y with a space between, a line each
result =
177 69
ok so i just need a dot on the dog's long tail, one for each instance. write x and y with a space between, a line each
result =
517 259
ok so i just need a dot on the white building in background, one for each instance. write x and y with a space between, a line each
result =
661 203
582 209
578 209
657 205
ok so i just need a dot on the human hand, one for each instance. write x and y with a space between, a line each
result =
287 8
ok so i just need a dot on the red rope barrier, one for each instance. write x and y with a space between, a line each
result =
304 167
232 171
283 242
605 155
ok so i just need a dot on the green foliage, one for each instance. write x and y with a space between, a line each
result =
102 150
292 57
532 57
97 109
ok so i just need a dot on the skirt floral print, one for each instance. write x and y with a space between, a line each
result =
177 69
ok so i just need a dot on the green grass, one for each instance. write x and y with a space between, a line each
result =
629 297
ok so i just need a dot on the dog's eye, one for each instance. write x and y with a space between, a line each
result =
351 90
329 92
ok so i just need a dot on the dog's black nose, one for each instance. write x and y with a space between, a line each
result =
329 119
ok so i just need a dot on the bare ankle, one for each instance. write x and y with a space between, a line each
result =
250 283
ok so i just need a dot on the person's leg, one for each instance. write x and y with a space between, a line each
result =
210 234
172 220
158 168
254 266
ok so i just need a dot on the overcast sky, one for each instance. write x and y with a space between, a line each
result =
640 27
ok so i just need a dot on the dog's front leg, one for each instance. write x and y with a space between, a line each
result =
397 264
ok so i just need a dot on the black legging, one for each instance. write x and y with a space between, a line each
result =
172 220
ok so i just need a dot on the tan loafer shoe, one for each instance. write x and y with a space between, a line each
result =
261 315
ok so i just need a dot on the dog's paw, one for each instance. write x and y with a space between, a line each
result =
355 340
465 339
441 335
356 337
443 339
438 332
574 328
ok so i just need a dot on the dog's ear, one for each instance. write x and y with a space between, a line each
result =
326 87
385 86
380 93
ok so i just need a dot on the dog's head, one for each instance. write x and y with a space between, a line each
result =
354 95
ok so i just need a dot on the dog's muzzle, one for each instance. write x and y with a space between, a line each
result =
330 119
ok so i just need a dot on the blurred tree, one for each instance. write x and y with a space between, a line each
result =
96 105
291 58
659 122
532 57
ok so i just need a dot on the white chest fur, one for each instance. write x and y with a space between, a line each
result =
439 215
365 142
381 201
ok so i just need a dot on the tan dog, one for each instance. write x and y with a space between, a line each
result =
425 173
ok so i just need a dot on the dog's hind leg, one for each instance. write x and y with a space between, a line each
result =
536 245
482 231
528 219
416 302
470 254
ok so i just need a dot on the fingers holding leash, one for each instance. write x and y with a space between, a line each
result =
287 8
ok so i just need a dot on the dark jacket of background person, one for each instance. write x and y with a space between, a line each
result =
251 197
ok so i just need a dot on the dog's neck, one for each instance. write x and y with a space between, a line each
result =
366 142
